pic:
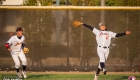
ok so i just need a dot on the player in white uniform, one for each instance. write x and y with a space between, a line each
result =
15 45
103 38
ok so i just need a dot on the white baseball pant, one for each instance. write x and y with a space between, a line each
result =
103 54
16 56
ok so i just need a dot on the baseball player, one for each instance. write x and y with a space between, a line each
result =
15 45
103 38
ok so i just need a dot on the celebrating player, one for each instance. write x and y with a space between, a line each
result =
15 46
103 38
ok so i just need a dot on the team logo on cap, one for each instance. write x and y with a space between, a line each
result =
131 78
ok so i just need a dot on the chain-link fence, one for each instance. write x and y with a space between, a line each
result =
56 45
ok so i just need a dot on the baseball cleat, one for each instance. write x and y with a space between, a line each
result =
96 77
19 74
24 74
104 71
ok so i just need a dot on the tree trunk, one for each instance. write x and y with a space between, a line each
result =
131 65
40 64
32 67
67 19
32 58
81 47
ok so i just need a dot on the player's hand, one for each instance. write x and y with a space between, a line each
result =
128 32
82 23
9 49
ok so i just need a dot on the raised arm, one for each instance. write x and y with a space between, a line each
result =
78 24
88 26
122 34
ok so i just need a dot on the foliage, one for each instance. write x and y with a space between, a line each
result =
122 2
36 2
83 42
83 2
38 30
30 2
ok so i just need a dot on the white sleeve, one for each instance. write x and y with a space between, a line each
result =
95 31
10 40
113 34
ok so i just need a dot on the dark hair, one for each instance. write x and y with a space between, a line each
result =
19 29
106 27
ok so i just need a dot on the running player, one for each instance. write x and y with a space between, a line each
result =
15 45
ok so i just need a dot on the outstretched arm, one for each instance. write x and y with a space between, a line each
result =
122 34
88 26
78 23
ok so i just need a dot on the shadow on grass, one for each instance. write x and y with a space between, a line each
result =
122 78
126 78
39 75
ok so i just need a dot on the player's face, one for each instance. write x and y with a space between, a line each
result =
19 33
102 27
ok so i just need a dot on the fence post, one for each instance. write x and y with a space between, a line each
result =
103 11
57 2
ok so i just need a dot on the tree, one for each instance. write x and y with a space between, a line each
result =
37 2
133 40
84 2
38 31
122 3
83 42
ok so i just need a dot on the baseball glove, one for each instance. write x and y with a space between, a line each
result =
25 50
77 23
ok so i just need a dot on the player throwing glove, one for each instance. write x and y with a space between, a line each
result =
103 38
16 46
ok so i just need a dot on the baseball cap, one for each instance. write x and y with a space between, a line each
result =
19 29
101 24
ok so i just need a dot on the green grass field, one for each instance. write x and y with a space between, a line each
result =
73 76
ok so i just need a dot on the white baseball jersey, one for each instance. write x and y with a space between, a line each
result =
14 43
103 38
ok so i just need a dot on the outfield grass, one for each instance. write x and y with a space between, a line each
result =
73 76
